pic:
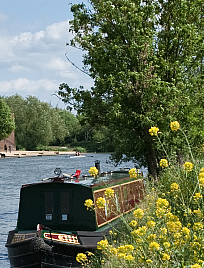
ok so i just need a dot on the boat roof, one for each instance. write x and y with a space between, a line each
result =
106 178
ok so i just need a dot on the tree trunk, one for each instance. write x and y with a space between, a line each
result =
151 156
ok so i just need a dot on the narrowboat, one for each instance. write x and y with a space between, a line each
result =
53 223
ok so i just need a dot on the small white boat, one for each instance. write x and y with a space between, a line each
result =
77 156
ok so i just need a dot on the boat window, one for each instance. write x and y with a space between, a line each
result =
64 206
49 205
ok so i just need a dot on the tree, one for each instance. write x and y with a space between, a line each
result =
37 123
146 59
7 124
18 106
72 125
58 126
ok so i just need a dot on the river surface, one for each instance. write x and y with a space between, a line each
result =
17 171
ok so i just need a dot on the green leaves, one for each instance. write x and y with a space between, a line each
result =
37 123
7 124
146 59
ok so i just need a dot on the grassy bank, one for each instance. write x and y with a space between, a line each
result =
167 228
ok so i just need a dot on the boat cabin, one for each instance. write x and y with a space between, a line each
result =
54 225
59 204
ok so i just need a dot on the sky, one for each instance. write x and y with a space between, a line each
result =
33 37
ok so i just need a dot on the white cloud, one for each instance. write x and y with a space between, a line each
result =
23 85
17 68
57 64
57 30
35 63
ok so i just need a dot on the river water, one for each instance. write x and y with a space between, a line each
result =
17 171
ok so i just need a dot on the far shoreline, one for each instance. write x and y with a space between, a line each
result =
19 154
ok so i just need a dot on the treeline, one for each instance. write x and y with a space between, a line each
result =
38 125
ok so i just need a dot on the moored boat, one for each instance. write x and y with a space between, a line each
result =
53 223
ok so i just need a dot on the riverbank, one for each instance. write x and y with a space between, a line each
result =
19 154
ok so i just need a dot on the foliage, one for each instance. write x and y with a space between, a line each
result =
7 124
166 229
146 59
72 125
38 124
80 149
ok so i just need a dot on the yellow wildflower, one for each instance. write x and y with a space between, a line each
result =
151 224
171 217
188 166
163 230
167 245
195 245
103 244
162 203
160 212
149 261
89 204
133 223
163 163
133 172
139 240
125 248
81 258
197 226
201 175
109 192
140 231
129 257
185 231
138 213
196 265
121 255
201 180
198 213
113 250
121 249
177 235
153 131
151 237
101 202
165 257
174 125
197 196
202 170
195 237
93 171
129 248
174 227
174 186
154 246
179 242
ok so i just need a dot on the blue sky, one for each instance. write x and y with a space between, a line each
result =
33 36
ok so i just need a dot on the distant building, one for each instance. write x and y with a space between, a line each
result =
8 144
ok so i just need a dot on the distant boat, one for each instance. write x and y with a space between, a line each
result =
77 156
54 225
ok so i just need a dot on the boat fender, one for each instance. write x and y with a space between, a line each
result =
38 243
